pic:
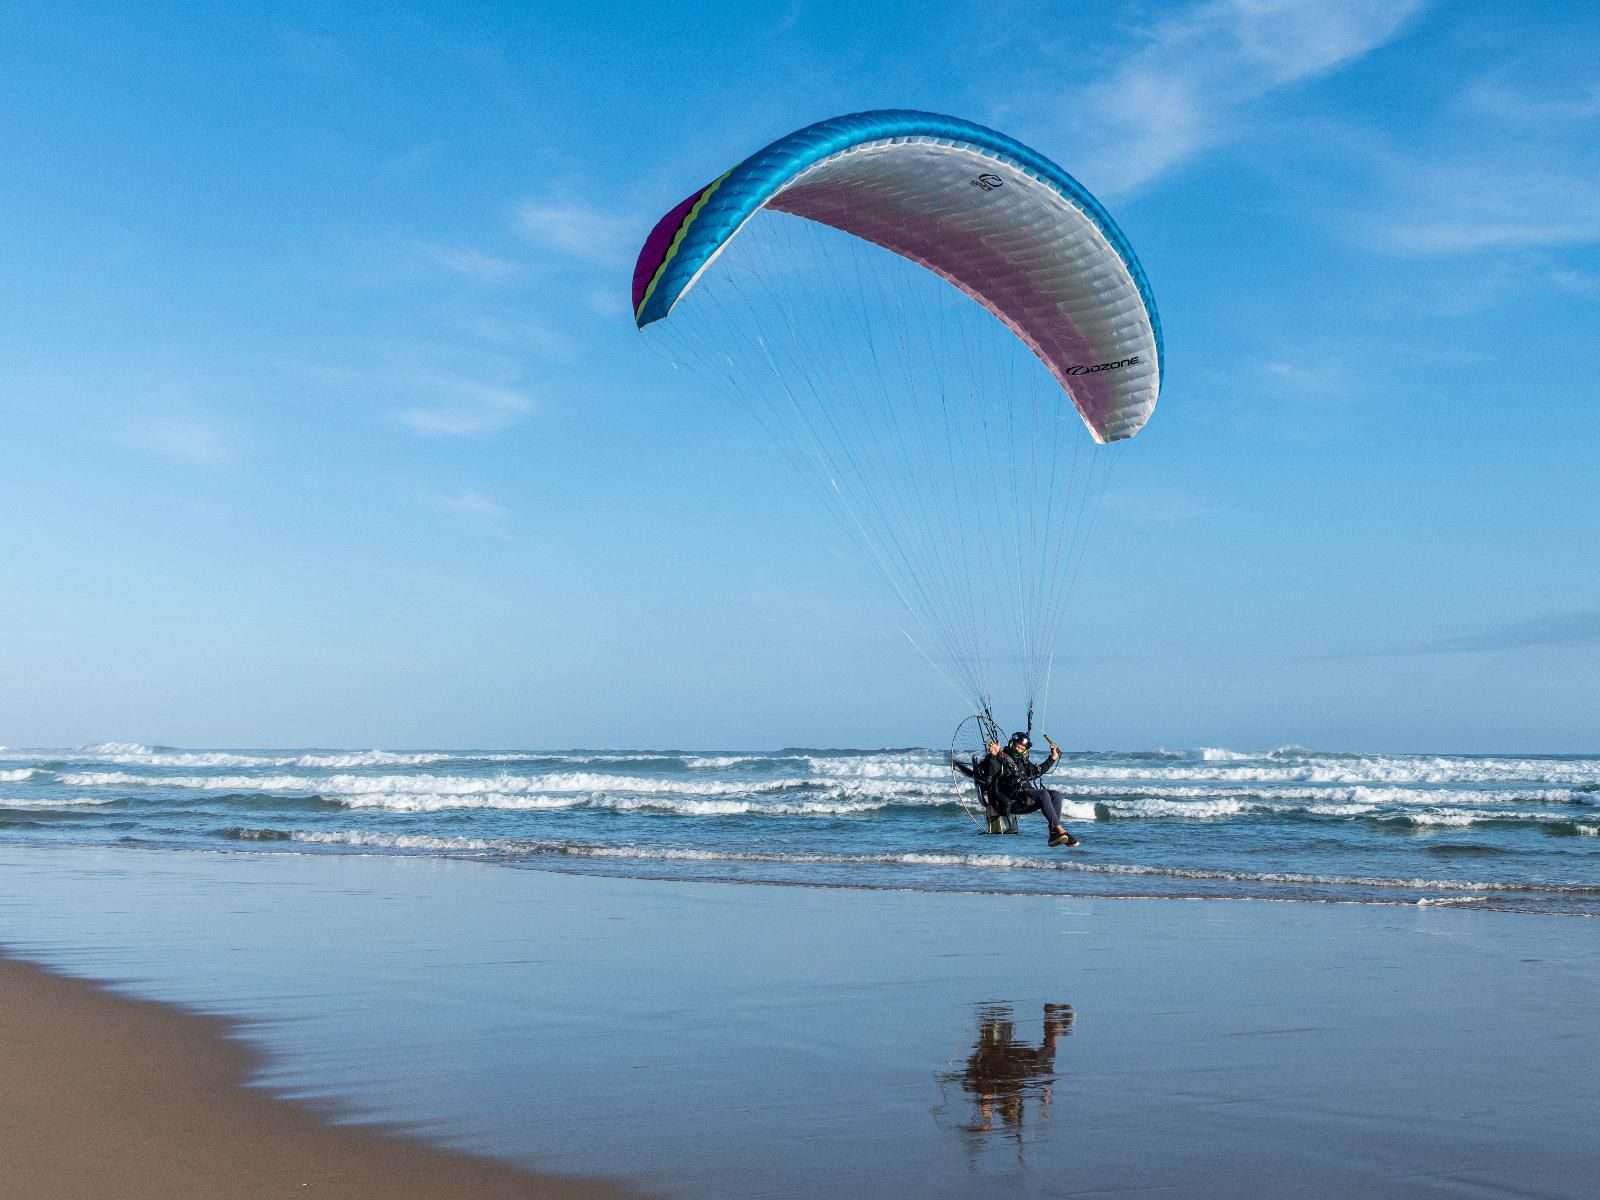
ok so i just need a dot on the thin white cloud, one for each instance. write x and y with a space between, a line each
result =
1513 105
579 232
1495 200
1565 629
1499 172
1182 92
465 260
1579 283
184 439
607 301
472 504
436 389
463 408
519 332
1304 378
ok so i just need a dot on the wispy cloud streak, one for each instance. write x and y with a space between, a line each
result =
584 233
1569 629
1519 173
1182 92
472 504
183 439
463 408
467 261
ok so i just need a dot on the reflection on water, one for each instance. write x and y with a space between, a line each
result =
1008 1083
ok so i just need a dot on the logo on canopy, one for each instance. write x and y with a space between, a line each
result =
1110 366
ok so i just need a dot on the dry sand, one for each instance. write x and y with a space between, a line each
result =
105 1096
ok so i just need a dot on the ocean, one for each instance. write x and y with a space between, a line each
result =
1516 832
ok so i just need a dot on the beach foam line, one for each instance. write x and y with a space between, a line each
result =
1366 771
440 802
1461 817
678 805
533 847
353 760
56 802
1339 793
503 783
132 754
776 798
868 767
681 806
1214 809
222 758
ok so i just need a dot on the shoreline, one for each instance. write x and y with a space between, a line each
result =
111 1095
1431 893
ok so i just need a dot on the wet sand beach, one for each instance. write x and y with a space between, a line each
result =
726 1040
108 1096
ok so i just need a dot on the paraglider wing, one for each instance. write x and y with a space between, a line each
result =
994 218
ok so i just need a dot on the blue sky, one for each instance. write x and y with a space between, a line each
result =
323 420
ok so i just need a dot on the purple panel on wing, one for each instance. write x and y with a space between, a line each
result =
654 253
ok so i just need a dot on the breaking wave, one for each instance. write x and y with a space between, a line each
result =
1260 821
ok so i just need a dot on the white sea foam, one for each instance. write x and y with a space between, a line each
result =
99 778
899 766
728 808
1218 754
839 795
342 785
1462 817
435 802
370 758
1352 769
1188 809
1334 810
355 785
999 862
62 802
1351 793
399 841
683 806
225 758
1217 766
723 807
133 754
208 758
1455 818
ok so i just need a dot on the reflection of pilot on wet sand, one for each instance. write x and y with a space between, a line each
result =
1003 1075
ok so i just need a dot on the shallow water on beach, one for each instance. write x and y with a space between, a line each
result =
716 1041
1500 831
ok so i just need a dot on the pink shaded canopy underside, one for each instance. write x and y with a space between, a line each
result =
1058 296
